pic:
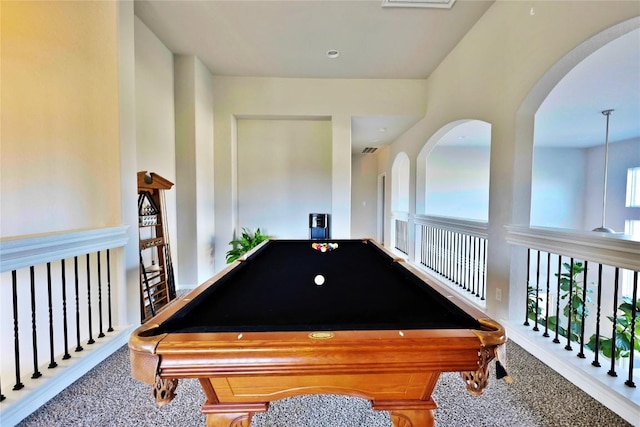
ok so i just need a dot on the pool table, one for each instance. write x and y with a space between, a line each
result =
268 327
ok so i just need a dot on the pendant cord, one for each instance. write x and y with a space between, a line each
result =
606 167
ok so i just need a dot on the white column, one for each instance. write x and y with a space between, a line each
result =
341 177
194 170
128 295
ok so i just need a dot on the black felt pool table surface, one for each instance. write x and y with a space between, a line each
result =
274 290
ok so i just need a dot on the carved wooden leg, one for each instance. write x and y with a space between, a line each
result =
412 418
477 381
229 420
408 413
231 414
164 390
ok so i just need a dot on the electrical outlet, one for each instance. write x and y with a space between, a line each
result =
498 294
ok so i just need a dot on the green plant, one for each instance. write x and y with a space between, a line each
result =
533 304
247 241
623 324
572 290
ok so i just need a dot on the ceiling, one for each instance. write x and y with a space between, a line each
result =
609 78
288 38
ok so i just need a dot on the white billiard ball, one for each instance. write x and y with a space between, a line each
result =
319 279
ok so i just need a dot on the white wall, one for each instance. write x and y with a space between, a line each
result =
60 164
558 187
400 176
284 174
128 301
567 186
622 156
457 182
155 128
155 134
364 203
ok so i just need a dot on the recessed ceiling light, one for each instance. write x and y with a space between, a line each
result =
333 53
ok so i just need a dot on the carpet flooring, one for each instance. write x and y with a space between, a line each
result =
108 396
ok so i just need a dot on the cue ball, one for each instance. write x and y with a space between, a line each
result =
319 279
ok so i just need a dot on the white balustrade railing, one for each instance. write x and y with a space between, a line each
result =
58 312
456 251
577 293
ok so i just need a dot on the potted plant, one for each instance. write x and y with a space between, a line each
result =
623 324
247 241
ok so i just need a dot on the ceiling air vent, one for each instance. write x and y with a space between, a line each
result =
369 150
440 4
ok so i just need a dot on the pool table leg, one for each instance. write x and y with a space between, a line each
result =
412 418
229 420
409 413
231 414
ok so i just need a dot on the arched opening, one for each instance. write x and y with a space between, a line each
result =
453 172
530 121
558 185
400 184
569 150
452 206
